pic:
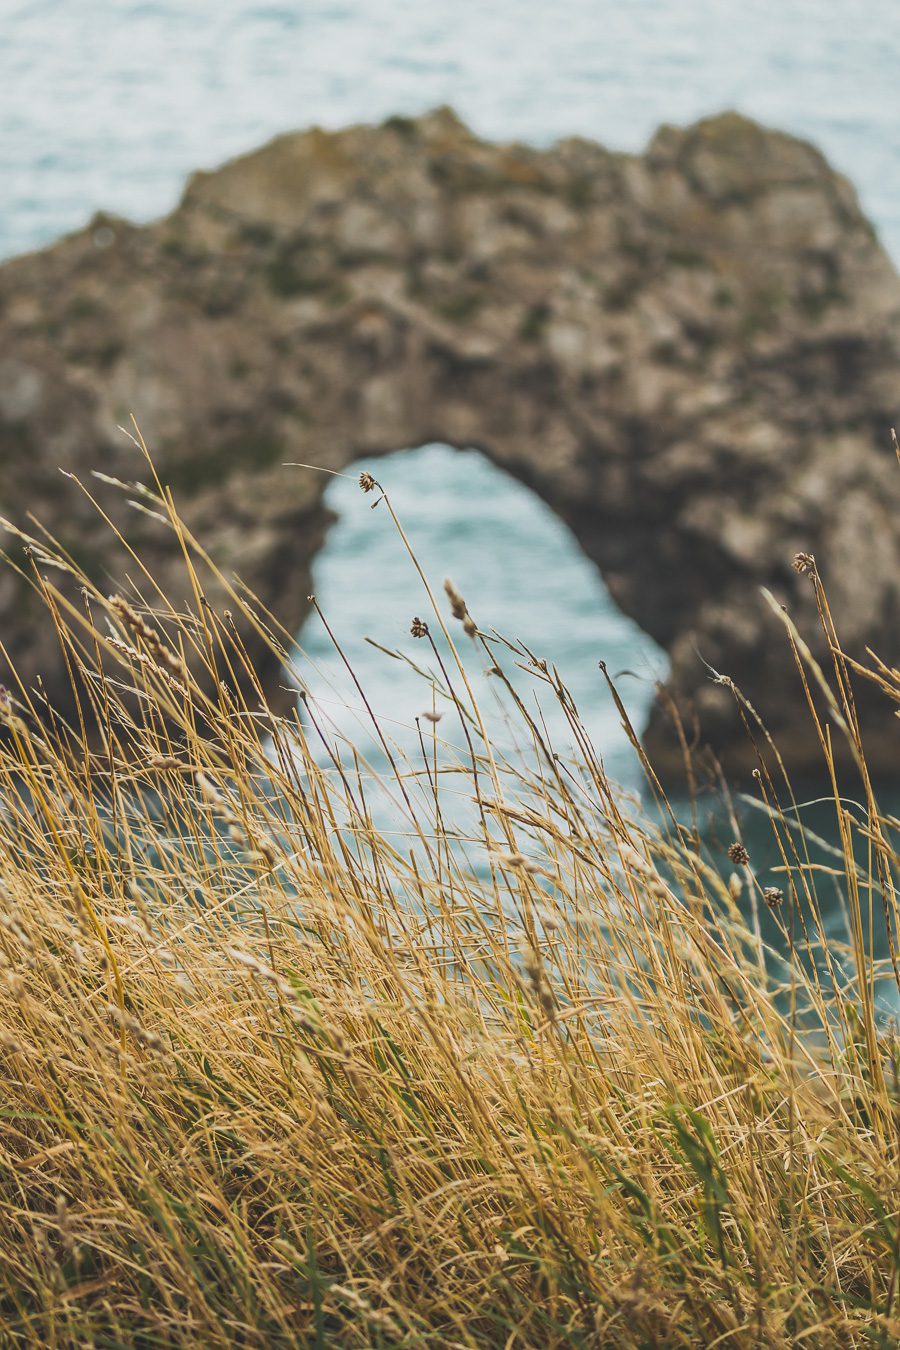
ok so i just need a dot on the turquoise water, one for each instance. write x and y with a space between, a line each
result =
110 103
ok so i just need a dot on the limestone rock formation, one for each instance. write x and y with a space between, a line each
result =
691 355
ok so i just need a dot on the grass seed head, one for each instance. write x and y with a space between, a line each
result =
457 603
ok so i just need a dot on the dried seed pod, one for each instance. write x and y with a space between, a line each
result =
457 603
160 762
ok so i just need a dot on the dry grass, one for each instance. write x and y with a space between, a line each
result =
274 1076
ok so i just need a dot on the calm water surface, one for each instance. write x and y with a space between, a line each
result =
110 103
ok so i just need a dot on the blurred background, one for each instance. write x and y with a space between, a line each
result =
112 103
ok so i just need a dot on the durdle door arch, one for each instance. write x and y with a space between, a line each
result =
691 355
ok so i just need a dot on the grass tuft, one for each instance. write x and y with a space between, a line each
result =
518 1067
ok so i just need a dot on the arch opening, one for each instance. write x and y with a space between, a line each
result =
521 571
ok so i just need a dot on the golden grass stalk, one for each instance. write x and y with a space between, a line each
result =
277 1076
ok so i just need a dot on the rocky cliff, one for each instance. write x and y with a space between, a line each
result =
693 355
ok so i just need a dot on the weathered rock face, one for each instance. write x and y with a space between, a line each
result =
692 355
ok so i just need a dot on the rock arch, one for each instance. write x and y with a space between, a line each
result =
691 355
